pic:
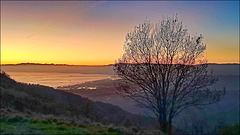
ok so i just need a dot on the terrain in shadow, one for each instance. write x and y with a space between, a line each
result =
42 105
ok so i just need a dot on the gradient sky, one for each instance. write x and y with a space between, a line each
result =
93 33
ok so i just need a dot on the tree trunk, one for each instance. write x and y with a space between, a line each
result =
170 131
165 126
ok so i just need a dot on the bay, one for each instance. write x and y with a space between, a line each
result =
55 79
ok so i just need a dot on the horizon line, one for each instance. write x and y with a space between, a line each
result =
29 63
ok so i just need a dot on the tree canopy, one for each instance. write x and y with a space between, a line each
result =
163 69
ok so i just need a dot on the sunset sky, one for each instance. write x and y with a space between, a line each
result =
93 33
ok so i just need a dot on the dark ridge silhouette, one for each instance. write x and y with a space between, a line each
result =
52 64
223 64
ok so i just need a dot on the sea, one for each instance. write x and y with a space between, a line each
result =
63 75
55 79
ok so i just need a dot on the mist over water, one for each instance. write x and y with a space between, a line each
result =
54 76
55 79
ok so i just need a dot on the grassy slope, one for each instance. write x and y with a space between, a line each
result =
45 103
231 130
28 126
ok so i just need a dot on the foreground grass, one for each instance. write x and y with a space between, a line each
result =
26 126
230 130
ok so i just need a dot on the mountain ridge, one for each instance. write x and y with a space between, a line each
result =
52 64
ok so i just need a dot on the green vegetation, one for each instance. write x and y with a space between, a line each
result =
27 126
230 130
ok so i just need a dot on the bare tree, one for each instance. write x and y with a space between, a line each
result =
164 70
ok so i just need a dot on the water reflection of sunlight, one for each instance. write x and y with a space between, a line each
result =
56 79
86 87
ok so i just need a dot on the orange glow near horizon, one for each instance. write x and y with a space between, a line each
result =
93 33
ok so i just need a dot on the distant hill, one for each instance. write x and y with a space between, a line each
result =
47 64
28 63
59 68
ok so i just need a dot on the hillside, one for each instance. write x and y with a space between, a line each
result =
97 101
36 102
207 117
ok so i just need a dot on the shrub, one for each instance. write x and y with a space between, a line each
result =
233 130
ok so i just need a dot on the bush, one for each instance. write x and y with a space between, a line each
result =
231 130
